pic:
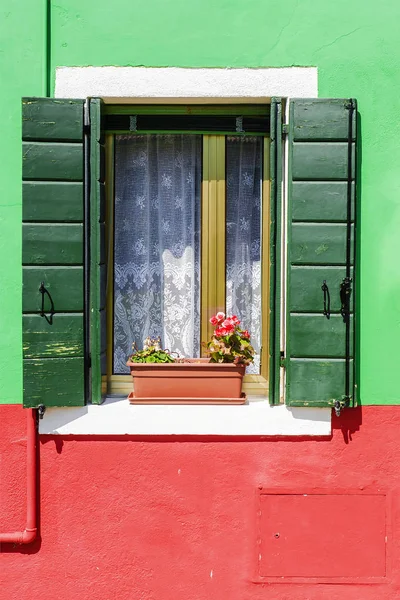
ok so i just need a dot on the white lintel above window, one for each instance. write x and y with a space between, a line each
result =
180 85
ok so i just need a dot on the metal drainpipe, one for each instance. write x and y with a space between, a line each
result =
30 532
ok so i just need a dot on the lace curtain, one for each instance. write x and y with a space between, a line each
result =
243 235
157 243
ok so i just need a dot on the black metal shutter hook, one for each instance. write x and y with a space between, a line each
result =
43 290
327 300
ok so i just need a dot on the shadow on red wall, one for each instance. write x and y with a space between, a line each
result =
349 422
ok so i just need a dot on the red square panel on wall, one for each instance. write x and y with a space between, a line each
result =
322 535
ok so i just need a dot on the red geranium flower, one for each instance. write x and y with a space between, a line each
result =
221 332
228 325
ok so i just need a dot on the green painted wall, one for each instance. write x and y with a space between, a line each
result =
355 46
22 73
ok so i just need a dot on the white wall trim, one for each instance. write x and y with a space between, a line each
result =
175 84
118 417
179 85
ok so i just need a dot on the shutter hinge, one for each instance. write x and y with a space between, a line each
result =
41 410
86 116
339 405
345 291
283 360
285 128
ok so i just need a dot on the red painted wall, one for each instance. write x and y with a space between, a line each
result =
141 519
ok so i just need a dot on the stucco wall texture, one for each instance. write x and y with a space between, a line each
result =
355 47
161 519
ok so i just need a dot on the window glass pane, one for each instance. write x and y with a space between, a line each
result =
157 243
243 235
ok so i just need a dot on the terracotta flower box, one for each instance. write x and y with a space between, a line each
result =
195 381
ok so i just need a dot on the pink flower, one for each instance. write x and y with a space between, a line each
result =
235 320
220 316
214 321
228 325
246 334
221 332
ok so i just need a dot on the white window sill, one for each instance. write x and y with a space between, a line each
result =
117 417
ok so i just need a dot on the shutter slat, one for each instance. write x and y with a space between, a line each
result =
315 119
319 201
320 161
329 341
316 382
305 294
319 243
63 338
50 119
53 381
65 285
52 244
321 247
49 161
52 201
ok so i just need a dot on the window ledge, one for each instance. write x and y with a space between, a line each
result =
117 417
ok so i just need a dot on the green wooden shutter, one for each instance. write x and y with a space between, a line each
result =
275 249
56 258
319 356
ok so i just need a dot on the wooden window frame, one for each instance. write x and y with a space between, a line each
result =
213 229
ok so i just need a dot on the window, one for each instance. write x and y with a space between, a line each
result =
307 233
188 216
